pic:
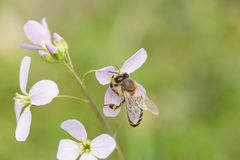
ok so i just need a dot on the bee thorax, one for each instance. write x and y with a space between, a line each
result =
129 85
122 82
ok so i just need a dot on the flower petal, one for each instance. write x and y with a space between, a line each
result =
102 146
18 109
87 156
23 75
45 26
35 32
104 75
111 98
29 46
75 129
43 92
135 61
109 112
23 125
68 150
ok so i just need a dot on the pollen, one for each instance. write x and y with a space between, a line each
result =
114 107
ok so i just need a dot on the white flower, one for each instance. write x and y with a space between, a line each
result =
100 147
40 36
40 94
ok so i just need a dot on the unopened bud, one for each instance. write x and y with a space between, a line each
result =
61 46
47 56
57 37
60 42
51 48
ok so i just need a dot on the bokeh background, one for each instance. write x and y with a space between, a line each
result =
192 73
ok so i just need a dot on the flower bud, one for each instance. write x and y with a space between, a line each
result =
47 56
61 46
40 37
57 37
51 48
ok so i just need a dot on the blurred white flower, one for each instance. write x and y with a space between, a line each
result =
40 94
40 36
100 147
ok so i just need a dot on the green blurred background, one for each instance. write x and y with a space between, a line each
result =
192 73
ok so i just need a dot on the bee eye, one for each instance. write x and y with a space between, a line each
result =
118 79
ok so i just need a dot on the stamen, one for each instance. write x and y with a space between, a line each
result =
23 100
85 147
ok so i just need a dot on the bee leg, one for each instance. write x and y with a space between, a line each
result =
115 107
112 106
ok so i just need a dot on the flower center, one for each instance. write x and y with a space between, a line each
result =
85 147
23 100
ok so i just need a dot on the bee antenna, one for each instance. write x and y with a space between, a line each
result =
117 67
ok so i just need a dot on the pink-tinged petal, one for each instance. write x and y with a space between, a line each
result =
75 129
68 150
18 109
105 74
45 26
43 92
111 98
134 62
102 146
35 32
29 46
108 112
87 156
23 125
23 75
141 88
51 48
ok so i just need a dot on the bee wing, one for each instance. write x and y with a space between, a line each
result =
146 103
134 112
151 106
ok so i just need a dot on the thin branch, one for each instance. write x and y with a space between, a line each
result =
72 97
85 74
94 107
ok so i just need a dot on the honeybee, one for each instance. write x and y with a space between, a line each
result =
134 97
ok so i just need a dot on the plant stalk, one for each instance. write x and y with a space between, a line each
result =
92 104
72 97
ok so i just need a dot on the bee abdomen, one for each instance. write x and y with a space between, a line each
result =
138 122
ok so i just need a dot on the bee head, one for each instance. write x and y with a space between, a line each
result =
118 78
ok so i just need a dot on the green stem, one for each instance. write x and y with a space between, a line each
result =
72 97
85 74
94 107
69 60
